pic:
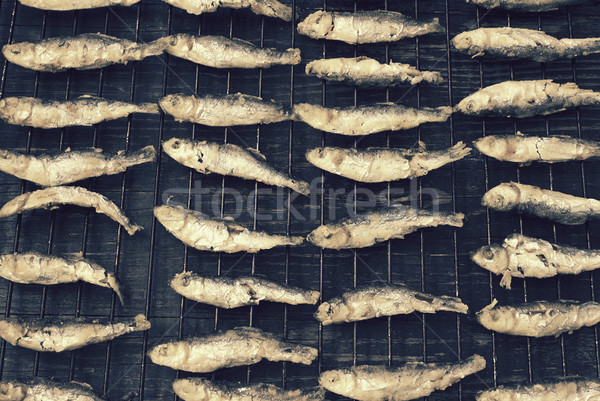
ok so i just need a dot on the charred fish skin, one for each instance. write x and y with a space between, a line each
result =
269 8
528 5
38 388
66 334
229 159
383 164
365 26
384 383
224 349
573 390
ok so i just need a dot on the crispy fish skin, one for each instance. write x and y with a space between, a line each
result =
557 206
526 99
78 196
365 26
384 383
527 5
222 52
365 120
216 235
66 334
225 349
39 388
229 293
576 390
229 159
269 8
60 5
383 164
379 225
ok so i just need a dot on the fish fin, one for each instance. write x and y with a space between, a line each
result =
506 279
491 305
83 384
67 150
242 41
519 133
421 146
257 153
228 218
89 97
478 54
525 164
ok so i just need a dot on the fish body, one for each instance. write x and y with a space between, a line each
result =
216 235
383 164
526 99
222 52
365 71
269 8
527 5
565 390
379 225
365 120
37 389
85 110
385 383
229 293
224 349
60 5
66 334
383 300
78 196
557 206
229 159
365 26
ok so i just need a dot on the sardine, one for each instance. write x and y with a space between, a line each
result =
216 235
383 300
366 26
526 99
66 334
225 349
269 8
85 110
365 120
82 52
54 196
229 293
61 5
222 52
379 225
383 164
39 388
365 71
229 159
572 390
521 43
525 5
35 268
385 383
539 318
70 166
521 256
553 205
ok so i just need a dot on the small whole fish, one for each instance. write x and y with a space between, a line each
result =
66 334
229 159
526 99
78 196
69 5
216 235
385 383
365 120
85 110
525 5
38 388
365 26
521 256
383 300
82 52
379 225
557 206
383 164
269 8
365 71
572 390
224 349
35 268
70 166
222 52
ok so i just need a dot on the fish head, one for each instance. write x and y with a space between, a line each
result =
16 110
495 146
491 257
178 105
12 391
317 24
337 381
192 388
187 151
329 236
172 217
323 158
327 311
503 197
165 354
470 42
23 53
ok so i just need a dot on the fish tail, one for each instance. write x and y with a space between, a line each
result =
445 110
302 187
581 47
471 365
112 282
140 323
293 241
272 8
434 26
433 77
299 354
144 155
154 48
454 219
459 151
450 304
132 228
291 57
148 108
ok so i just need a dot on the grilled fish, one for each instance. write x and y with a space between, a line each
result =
384 383
225 349
553 205
34 268
70 166
269 8
527 5
54 196
61 5
216 235
222 52
365 120
229 293
365 26
365 71
379 225
383 164
82 52
85 110
229 159
526 99
383 300
576 390
45 389
66 334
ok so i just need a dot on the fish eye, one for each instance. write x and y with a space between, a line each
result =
328 235
488 254
176 144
